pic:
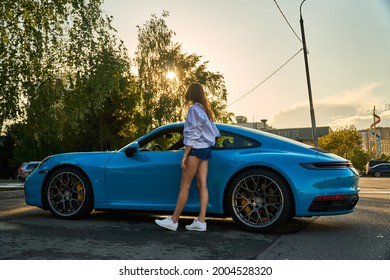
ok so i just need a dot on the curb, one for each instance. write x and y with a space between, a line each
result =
12 194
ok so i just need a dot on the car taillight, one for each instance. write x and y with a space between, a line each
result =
327 165
330 197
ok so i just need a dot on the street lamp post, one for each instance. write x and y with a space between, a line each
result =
312 115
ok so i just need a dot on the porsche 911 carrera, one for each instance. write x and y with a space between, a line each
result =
259 179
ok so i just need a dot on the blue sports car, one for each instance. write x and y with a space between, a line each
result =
259 179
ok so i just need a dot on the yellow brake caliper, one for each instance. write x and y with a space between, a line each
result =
80 194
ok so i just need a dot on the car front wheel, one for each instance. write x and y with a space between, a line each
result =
259 200
68 194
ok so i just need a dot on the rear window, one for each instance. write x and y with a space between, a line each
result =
32 166
229 140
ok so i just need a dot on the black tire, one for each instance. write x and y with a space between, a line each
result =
68 194
377 174
260 201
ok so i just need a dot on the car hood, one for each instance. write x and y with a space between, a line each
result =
80 159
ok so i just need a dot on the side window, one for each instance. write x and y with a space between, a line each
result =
167 142
233 141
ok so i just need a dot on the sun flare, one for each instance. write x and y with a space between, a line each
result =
171 75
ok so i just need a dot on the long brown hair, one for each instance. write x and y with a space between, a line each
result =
196 94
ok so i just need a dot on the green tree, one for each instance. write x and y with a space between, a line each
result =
7 170
384 157
60 65
160 98
65 82
346 143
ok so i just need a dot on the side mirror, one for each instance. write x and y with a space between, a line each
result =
132 149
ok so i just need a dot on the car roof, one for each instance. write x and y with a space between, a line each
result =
31 162
376 161
381 164
259 135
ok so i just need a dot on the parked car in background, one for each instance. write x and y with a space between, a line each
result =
371 163
379 170
26 169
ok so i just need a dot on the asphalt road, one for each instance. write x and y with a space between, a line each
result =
28 233
361 235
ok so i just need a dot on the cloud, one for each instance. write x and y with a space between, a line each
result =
352 107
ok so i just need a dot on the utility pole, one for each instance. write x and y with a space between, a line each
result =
312 115
377 120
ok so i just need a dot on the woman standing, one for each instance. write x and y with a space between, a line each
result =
199 138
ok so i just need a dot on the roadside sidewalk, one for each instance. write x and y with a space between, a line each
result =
11 189
11 194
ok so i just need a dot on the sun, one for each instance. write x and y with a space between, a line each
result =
170 75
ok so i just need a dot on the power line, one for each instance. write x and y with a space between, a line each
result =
284 64
280 10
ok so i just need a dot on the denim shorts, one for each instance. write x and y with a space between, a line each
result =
203 153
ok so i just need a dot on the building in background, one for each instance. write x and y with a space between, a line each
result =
303 134
243 121
381 144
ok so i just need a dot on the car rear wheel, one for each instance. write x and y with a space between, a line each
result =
68 194
259 200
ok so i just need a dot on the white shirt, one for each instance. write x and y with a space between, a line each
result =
199 130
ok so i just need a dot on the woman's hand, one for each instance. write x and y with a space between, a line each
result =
183 163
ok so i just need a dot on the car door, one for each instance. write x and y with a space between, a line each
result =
150 178
147 178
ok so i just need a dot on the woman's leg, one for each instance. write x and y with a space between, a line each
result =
185 183
201 178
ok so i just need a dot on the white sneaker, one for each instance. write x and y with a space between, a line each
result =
167 223
196 225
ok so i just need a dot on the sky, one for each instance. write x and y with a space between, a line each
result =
348 44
